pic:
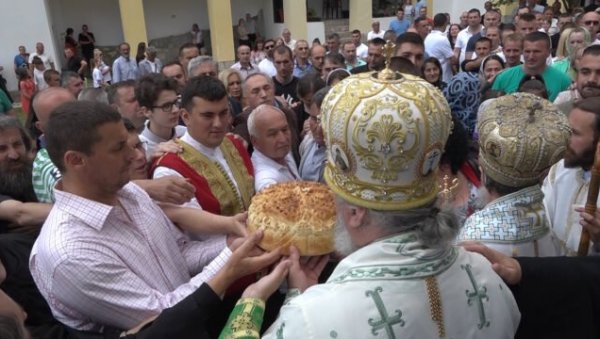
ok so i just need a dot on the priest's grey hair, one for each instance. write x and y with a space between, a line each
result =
434 227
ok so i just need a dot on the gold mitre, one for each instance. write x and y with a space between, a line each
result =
520 136
385 134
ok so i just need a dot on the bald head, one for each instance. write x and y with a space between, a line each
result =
47 101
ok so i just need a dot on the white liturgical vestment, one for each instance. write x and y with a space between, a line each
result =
396 288
564 189
514 224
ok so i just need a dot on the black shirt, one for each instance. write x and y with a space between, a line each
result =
288 90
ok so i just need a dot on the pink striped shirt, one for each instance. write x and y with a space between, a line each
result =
117 265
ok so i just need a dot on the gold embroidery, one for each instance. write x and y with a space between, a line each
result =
219 182
435 303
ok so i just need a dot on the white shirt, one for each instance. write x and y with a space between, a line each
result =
383 290
372 35
100 265
268 172
266 66
461 42
38 79
564 189
438 46
214 154
362 51
291 44
45 58
152 140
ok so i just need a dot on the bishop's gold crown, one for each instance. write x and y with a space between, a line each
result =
520 136
385 136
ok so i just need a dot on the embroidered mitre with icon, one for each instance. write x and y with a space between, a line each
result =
385 134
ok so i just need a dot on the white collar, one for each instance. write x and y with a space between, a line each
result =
208 151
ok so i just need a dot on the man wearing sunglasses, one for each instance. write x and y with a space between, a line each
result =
266 65
591 21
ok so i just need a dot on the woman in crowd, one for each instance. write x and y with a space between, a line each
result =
453 33
242 32
571 94
336 76
432 72
570 40
258 53
141 52
232 79
490 67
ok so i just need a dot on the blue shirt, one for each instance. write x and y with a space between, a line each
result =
20 61
299 72
124 69
399 26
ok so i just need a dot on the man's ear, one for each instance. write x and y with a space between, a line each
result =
74 160
147 112
356 216
185 116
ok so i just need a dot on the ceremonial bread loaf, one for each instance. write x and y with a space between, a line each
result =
294 213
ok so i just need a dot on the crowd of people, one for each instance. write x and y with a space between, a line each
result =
123 204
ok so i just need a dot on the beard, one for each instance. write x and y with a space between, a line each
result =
483 197
343 241
15 179
584 160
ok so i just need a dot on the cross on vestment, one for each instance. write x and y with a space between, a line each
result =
478 294
386 322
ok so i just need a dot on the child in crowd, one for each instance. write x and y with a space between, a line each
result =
26 89
38 73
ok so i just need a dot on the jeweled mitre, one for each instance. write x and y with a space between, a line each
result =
385 135
520 136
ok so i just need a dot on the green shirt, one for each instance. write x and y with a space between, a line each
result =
509 80
45 175
5 104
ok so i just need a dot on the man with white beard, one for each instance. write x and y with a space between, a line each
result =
401 277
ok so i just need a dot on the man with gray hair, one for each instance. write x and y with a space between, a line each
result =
401 276
271 137
203 65
259 89
72 82
151 64
244 64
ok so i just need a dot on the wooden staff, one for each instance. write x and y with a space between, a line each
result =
590 205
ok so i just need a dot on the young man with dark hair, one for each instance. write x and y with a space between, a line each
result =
159 102
105 227
438 46
285 81
215 162
174 70
536 49
375 58
462 40
410 46
361 49
187 52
